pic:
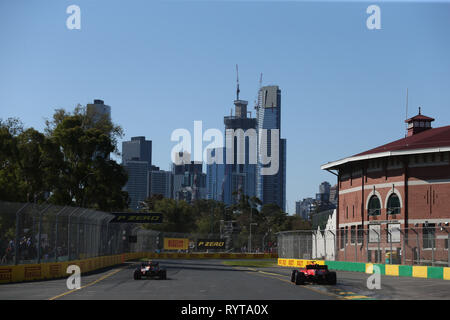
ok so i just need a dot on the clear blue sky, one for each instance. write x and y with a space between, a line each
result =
161 65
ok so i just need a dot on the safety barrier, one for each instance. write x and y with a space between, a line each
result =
54 270
299 263
385 269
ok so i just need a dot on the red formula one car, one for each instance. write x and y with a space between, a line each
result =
313 273
149 270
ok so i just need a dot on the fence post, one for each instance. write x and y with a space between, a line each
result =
345 247
325 244
56 233
367 245
40 233
433 245
405 235
68 233
418 249
78 233
315 244
16 244
389 238
448 249
379 249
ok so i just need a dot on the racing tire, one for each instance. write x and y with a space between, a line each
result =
163 275
293 275
300 278
331 278
137 275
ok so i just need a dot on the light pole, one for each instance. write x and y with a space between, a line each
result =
250 237
443 228
264 239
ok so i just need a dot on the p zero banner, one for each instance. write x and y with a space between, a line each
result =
139 217
204 244
176 243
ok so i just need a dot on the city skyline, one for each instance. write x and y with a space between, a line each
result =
338 81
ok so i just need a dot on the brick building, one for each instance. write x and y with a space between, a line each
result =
396 198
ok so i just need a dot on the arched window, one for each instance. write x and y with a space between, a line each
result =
393 204
374 206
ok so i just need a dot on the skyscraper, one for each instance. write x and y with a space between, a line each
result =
215 176
160 182
240 176
189 181
137 148
137 161
98 110
324 192
270 188
304 208
137 184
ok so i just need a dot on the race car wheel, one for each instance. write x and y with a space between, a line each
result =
137 275
300 278
331 278
294 273
163 275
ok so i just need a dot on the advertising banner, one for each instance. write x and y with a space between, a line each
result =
176 243
204 244
128 217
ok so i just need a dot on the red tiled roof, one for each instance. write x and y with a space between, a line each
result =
431 138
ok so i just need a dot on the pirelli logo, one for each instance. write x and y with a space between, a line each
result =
176 243
5 274
129 217
210 244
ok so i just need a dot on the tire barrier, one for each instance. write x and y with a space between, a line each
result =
55 270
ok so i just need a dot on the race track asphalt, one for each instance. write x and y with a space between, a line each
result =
212 280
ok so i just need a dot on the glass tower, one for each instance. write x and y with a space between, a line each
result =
270 188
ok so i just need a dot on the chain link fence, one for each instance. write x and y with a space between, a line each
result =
38 233
35 233
426 245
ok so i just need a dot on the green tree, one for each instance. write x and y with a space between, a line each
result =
9 180
69 162
89 178
208 214
38 161
177 216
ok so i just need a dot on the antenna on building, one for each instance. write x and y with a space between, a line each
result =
260 80
406 133
237 82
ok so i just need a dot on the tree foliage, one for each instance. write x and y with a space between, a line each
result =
204 216
68 164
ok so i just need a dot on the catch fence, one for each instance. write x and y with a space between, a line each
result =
426 246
